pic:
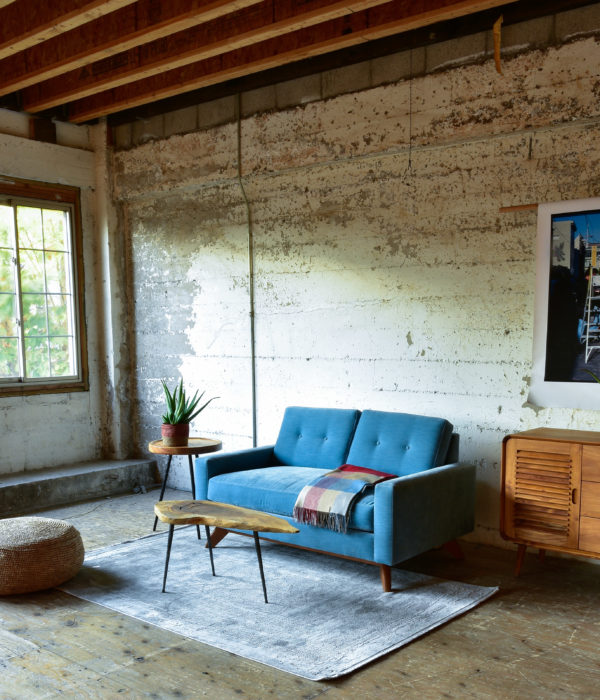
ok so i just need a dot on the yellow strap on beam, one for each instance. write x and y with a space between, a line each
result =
497 37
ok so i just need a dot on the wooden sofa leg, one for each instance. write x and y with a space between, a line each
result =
385 572
216 536
453 548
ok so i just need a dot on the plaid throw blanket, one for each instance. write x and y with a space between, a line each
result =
327 501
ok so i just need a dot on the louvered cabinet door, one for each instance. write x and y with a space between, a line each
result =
541 483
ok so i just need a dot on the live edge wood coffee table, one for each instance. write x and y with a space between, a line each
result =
195 446
220 515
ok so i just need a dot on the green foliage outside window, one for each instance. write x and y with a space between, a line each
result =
37 334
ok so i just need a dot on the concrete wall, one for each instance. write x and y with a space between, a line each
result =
70 135
437 56
385 275
55 429
38 432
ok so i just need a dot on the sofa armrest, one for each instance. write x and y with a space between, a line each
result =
421 511
213 464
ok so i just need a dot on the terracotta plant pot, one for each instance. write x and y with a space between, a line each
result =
175 435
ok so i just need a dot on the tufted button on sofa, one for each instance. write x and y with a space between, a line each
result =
430 502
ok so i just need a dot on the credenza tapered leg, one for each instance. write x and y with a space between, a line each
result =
520 556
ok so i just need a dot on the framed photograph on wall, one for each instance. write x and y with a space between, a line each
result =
566 347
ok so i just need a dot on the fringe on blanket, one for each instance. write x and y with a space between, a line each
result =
332 521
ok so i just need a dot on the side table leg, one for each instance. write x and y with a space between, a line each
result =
212 563
193 488
170 540
193 481
260 565
164 486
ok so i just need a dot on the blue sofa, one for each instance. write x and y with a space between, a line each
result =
430 503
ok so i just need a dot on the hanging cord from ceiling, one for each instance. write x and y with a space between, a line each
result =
410 88
250 265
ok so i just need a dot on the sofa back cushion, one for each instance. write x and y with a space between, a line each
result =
399 443
315 437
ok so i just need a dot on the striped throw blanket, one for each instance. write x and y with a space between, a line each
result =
327 501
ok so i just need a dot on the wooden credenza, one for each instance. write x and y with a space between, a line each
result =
550 492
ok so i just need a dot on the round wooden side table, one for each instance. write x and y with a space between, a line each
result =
195 446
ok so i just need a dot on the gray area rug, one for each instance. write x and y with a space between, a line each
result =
325 617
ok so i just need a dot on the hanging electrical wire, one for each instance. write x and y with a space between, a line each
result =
250 267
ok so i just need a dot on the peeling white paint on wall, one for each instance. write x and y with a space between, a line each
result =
378 285
356 253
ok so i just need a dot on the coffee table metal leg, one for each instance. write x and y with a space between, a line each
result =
193 488
164 486
170 540
260 564
212 563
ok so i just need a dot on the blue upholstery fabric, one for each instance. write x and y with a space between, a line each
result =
275 489
453 449
420 511
213 464
354 543
425 506
399 443
315 437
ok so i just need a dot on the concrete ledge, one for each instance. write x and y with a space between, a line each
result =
29 491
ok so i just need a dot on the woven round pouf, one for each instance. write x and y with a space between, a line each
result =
37 553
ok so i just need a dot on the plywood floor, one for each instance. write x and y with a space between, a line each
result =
538 638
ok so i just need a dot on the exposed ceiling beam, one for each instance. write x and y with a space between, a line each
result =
424 36
391 18
120 31
25 23
267 20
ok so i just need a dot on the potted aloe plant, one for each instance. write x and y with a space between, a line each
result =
180 412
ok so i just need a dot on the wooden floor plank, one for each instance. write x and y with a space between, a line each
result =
538 637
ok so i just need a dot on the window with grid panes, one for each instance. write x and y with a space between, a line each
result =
42 338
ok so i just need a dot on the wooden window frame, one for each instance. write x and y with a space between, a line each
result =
39 192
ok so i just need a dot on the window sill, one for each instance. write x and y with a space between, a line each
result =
29 389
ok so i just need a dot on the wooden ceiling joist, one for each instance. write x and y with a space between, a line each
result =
380 21
267 20
25 23
122 30
85 59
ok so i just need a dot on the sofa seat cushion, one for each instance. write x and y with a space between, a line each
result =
275 490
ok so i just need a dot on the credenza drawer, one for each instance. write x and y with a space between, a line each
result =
589 534
590 463
590 499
